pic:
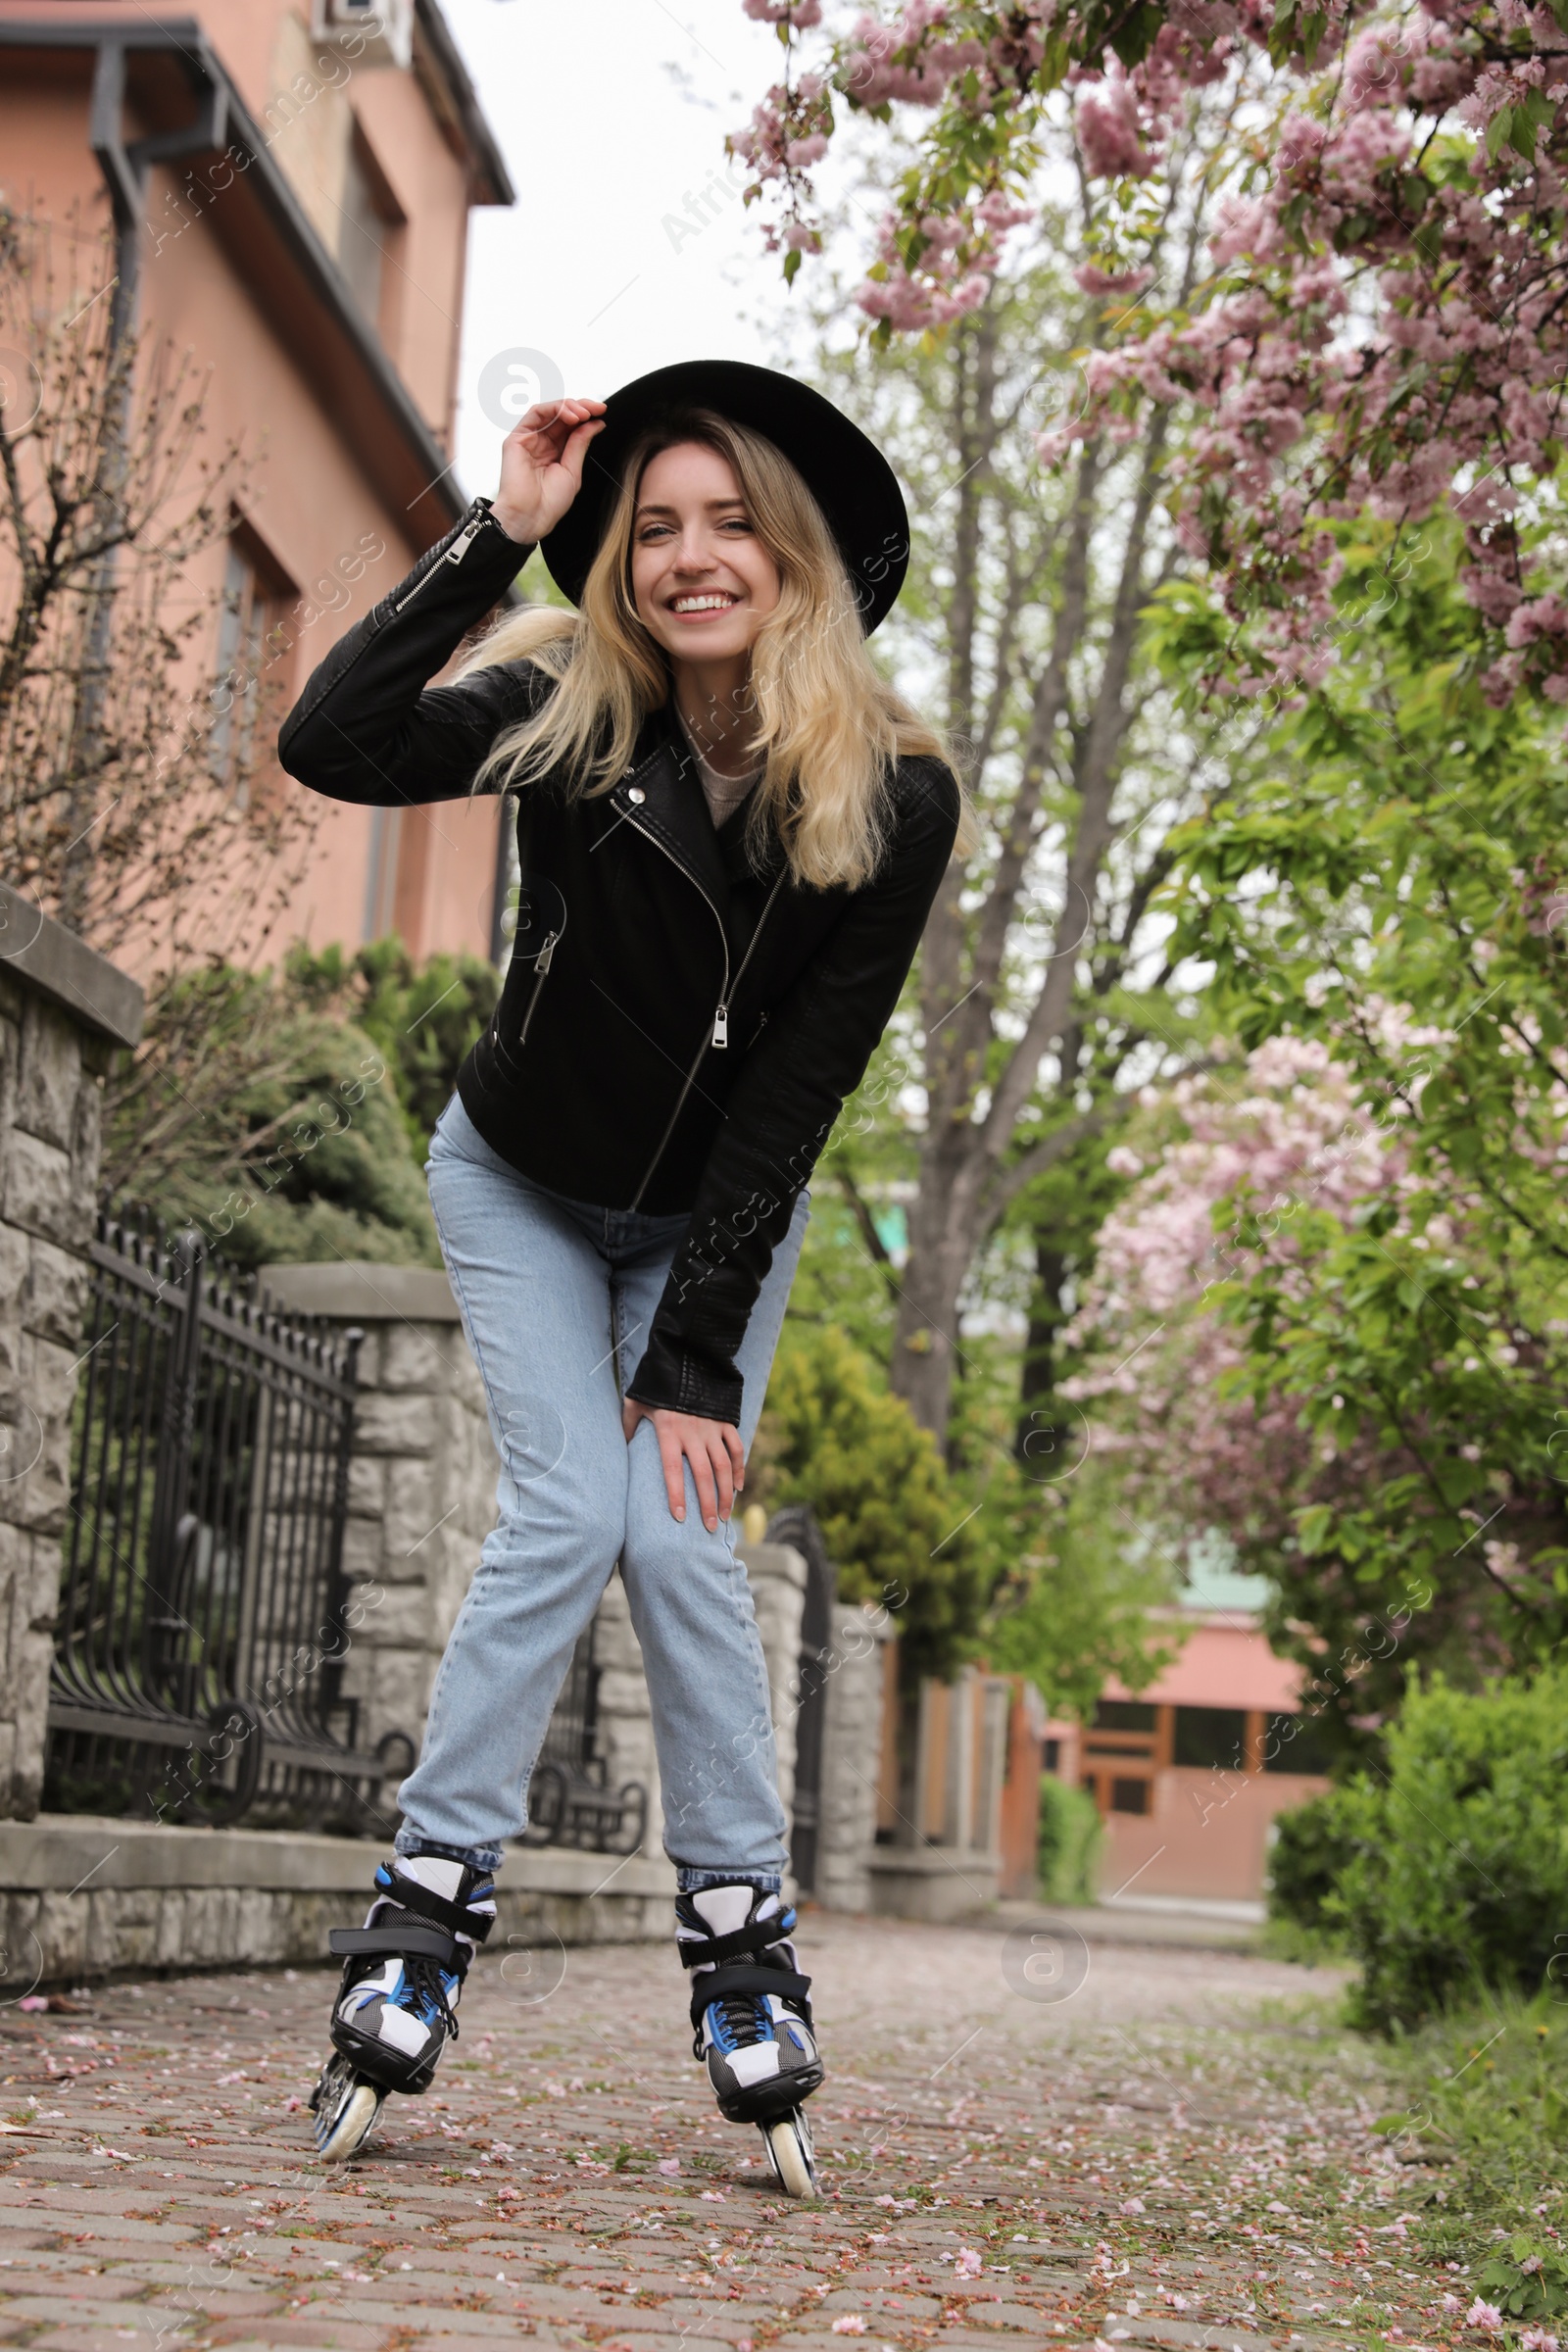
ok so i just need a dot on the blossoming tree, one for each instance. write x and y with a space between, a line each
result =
1347 1287
1381 325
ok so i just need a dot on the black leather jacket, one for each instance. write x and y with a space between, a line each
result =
675 1031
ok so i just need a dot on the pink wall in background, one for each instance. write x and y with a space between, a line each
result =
1180 1829
337 491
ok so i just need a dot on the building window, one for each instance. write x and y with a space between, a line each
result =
247 678
1123 1715
1129 1796
371 225
1212 1739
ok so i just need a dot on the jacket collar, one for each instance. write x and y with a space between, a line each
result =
674 811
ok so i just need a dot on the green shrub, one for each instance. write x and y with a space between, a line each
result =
833 1436
286 1114
1070 1838
1453 1876
1314 1846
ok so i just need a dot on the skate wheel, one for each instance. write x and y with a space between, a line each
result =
791 2155
346 2110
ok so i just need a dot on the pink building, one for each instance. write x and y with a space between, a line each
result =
1190 1773
290 182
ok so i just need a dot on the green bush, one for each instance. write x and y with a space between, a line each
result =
1314 1846
1450 1871
1070 1838
833 1436
286 1114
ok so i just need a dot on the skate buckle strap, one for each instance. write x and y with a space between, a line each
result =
757 1933
412 1943
456 1918
783 1982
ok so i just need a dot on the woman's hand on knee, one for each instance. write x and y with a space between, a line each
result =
712 1449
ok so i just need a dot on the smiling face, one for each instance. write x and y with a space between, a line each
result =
702 580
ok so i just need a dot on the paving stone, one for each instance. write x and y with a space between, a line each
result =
1072 2153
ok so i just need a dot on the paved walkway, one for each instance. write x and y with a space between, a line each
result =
1023 2142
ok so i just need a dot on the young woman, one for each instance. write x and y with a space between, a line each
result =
730 833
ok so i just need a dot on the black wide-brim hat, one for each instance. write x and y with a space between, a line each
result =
846 474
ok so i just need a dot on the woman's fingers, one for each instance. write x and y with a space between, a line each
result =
672 1455
550 424
541 464
712 1449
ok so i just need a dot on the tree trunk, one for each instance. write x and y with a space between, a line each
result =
1037 1435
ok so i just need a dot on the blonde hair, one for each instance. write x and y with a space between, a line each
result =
828 725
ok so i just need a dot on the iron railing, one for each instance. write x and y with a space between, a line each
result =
568 1801
203 1615
796 1524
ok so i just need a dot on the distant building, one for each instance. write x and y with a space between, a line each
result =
291 180
1190 1774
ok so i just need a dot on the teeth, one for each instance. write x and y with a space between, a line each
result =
701 603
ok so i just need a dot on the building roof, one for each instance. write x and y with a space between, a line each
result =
1224 1662
485 159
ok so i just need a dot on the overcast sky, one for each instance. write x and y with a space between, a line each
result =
612 115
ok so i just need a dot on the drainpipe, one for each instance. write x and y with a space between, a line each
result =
125 164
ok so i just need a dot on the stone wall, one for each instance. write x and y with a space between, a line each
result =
82 1898
63 1012
855 1696
421 1482
422 1499
778 1574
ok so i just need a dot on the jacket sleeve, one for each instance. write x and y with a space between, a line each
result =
782 1110
367 728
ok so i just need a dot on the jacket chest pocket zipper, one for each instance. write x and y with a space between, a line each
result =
541 970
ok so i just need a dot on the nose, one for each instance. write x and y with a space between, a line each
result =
694 553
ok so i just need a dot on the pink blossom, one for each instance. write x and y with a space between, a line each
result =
1094 280
1443 386
1484 2316
1110 132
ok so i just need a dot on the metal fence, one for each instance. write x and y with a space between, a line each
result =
203 1615
796 1524
568 1801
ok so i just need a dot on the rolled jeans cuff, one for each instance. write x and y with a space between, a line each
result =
409 1843
697 1882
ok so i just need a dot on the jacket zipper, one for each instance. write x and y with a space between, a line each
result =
541 966
720 1030
454 555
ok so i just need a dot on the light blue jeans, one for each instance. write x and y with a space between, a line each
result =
557 1298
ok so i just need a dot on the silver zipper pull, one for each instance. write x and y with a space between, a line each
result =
459 546
541 961
721 1026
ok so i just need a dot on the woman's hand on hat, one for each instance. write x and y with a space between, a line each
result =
541 466
713 1450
